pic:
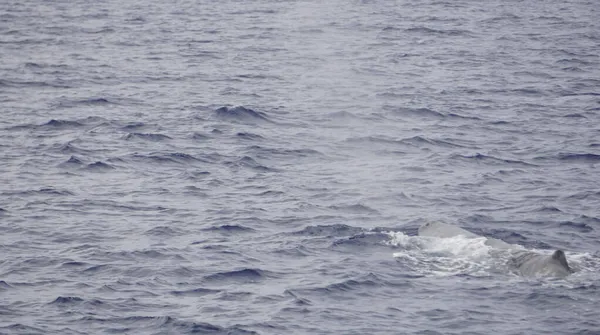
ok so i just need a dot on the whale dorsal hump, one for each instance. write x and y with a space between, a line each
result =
559 256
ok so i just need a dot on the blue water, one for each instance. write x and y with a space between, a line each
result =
261 167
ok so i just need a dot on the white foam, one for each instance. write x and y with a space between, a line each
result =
432 256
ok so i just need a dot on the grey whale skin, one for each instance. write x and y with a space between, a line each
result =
527 263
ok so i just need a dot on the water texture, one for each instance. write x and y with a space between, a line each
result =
261 167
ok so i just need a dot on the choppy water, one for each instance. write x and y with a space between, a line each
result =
261 167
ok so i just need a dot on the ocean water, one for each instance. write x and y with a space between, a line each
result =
262 167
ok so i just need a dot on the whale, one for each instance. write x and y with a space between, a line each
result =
526 263
443 230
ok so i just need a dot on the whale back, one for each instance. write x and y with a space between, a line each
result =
559 256
527 263
443 230
532 264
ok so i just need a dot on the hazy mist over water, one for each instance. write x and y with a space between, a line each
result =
262 167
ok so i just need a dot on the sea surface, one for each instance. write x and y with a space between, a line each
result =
262 166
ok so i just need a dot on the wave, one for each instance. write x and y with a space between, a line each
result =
294 251
528 91
88 102
151 254
415 112
354 209
572 69
197 292
43 190
178 158
32 65
190 327
578 226
74 301
363 283
329 230
344 116
74 264
229 229
282 152
133 126
590 219
72 161
490 159
135 255
244 276
165 325
69 148
200 137
249 162
548 209
162 231
421 113
58 124
4 285
375 140
66 300
575 116
111 205
572 61
147 137
270 193
393 33
195 175
249 136
240 114
97 268
54 191
584 195
583 157
431 31
182 157
95 101
61 124
99 167
57 83
23 329
421 141
298 300
361 240
254 11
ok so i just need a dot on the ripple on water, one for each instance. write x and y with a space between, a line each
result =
147 137
262 167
